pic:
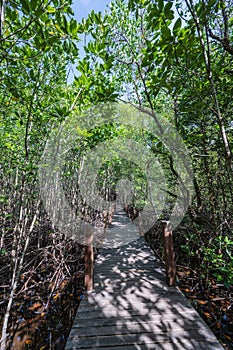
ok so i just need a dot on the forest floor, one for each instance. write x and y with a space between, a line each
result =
49 291
52 284
212 300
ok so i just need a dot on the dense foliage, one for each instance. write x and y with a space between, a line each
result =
174 57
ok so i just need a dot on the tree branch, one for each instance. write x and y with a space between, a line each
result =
225 42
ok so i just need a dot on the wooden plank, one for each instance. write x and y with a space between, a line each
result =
128 290
133 313
129 326
175 345
141 308
170 301
139 338
119 283
96 319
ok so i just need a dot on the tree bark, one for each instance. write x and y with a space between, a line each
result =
2 15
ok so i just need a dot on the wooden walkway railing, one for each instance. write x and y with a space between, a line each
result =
132 307
169 257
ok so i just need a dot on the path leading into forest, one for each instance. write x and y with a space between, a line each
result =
132 307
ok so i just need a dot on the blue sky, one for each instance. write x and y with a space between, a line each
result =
81 10
83 7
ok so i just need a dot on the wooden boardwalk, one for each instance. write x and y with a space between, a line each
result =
132 308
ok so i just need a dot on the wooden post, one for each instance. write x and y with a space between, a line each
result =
89 261
111 212
169 253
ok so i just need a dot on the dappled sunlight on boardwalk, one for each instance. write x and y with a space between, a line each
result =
131 307
122 230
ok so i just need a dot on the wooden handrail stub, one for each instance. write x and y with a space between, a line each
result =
169 253
89 264
89 260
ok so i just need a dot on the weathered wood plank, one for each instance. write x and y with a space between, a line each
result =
134 313
161 306
144 338
184 344
96 321
118 327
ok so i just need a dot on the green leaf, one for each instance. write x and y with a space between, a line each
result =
31 73
73 26
51 9
65 25
39 12
155 12
51 40
3 199
13 15
177 25
161 5
167 8
227 284
3 252
33 4
166 32
25 6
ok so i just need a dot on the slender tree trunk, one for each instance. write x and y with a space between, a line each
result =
207 60
2 15
15 278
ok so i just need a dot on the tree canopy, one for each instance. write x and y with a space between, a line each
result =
172 58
